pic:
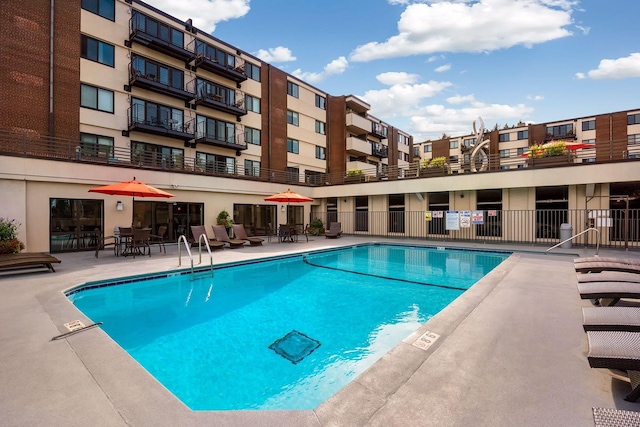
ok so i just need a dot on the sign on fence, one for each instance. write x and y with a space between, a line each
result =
477 217
465 219
427 215
453 220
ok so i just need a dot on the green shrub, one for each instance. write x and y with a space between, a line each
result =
436 162
224 219
9 242
355 172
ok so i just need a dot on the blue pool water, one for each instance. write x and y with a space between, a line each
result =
280 334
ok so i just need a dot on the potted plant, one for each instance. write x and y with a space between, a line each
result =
225 219
9 243
355 175
550 154
433 167
316 227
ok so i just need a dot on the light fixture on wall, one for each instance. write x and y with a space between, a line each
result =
119 205
282 208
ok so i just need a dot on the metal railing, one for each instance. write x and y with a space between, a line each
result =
617 228
60 149
557 245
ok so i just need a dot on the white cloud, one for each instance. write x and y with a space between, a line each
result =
394 78
337 66
459 99
621 68
431 121
484 25
435 58
401 99
443 68
535 97
275 54
204 13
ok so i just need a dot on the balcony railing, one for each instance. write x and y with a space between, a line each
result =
380 151
379 130
152 82
141 121
208 135
232 102
138 33
42 147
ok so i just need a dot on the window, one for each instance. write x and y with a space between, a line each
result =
292 145
292 89
505 167
504 137
522 166
158 72
453 159
468 142
292 174
96 98
252 136
453 144
253 104
504 154
158 115
633 119
218 130
215 163
560 131
362 213
97 51
399 155
145 154
321 102
589 125
395 220
320 154
252 167
320 127
253 71
522 150
314 177
403 139
523 134
140 22
292 118
438 202
96 145
427 148
633 139
104 8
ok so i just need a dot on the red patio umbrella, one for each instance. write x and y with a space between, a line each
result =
131 188
573 146
288 197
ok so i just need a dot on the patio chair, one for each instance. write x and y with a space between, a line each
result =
617 350
631 261
608 417
334 231
241 234
604 266
222 236
158 239
139 244
608 293
199 230
611 319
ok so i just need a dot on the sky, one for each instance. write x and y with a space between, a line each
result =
432 67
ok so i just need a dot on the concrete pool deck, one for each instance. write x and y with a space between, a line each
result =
511 352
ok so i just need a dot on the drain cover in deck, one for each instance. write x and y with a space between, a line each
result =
295 346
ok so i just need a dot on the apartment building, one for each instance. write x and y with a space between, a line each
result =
97 92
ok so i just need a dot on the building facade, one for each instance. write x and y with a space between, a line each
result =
96 92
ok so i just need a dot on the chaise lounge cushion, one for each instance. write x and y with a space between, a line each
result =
611 319
27 259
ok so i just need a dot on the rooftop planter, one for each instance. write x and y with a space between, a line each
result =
434 167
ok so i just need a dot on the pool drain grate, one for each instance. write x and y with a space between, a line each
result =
295 346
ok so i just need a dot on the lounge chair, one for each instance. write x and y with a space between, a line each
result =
334 231
240 233
611 319
199 230
222 236
632 261
609 417
602 266
618 351
608 293
10 262
609 276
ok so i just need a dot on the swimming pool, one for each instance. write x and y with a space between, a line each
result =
283 333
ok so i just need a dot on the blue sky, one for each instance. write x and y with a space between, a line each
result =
432 67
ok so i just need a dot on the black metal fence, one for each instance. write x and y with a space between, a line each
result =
618 228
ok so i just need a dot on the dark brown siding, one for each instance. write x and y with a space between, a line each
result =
24 77
611 136
440 148
273 107
494 147
537 133
337 119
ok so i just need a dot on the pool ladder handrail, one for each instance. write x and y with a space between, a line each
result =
206 244
577 235
186 245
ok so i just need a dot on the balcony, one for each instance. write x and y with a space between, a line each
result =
236 73
170 128
358 147
228 100
207 135
139 34
380 151
152 82
568 136
357 124
379 131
